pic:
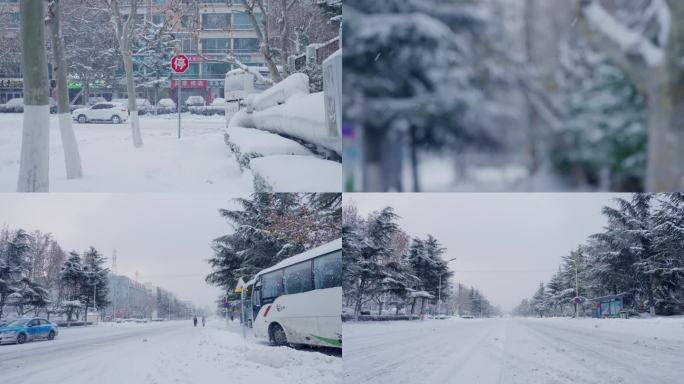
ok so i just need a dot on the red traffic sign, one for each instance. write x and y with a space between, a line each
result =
180 63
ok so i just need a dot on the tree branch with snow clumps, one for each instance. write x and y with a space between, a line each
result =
630 48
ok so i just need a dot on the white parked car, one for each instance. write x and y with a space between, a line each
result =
195 101
114 112
166 106
218 102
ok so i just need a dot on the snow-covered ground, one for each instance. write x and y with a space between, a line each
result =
515 351
165 352
198 162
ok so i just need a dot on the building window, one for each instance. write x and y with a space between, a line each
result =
215 45
243 21
246 44
216 69
216 20
158 19
193 69
188 45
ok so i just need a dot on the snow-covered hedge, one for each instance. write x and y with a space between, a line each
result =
248 143
303 117
296 174
297 83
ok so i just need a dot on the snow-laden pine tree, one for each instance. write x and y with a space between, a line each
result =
644 38
403 62
601 139
14 249
268 229
95 284
665 265
539 302
375 246
35 141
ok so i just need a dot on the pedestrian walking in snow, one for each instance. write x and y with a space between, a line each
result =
204 321
194 320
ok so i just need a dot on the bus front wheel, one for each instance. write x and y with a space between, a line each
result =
278 337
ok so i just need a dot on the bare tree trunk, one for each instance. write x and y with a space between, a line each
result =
533 120
414 160
35 144
661 81
284 36
124 33
262 36
132 107
72 158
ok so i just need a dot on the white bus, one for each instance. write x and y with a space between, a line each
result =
299 300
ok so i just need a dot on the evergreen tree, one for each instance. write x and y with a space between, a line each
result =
267 229
13 265
72 279
602 139
539 301
94 289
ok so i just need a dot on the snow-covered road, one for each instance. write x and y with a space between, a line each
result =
166 352
512 350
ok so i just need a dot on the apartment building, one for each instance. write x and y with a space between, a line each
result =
208 29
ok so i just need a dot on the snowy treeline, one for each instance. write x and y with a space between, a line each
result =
574 94
386 269
269 227
639 253
37 276
470 301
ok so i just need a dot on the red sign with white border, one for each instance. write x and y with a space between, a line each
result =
180 63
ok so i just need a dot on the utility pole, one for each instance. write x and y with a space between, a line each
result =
576 285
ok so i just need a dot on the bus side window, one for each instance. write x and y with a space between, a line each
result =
298 278
271 286
328 271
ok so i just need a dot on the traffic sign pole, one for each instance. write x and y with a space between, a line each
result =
179 107
179 64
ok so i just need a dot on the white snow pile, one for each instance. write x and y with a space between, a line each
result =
296 174
297 83
247 143
303 117
288 109
265 138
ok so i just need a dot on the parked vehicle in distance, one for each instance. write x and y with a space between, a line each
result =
218 102
298 301
112 111
22 330
166 106
195 101
15 105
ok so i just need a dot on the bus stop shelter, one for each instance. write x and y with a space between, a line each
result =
609 306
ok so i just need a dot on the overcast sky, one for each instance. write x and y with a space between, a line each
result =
505 244
164 237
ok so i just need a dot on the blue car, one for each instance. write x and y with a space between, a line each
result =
22 330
